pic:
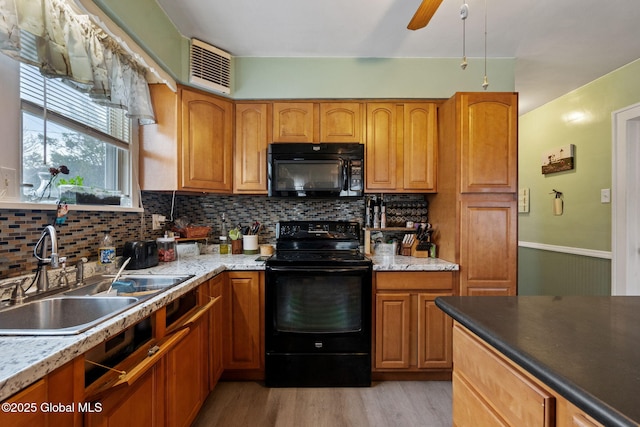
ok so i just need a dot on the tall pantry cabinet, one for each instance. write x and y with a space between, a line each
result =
475 210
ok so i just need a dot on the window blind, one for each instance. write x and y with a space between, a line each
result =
72 104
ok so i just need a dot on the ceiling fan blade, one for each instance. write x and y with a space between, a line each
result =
423 15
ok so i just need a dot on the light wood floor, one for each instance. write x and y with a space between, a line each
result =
388 403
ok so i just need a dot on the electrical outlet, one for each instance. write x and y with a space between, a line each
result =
157 221
605 195
8 179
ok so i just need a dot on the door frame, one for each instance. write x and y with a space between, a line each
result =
625 262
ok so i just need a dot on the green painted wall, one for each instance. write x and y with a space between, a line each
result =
554 273
270 78
586 223
149 26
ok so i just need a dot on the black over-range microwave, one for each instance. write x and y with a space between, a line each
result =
316 170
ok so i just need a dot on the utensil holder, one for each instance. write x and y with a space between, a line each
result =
236 247
250 244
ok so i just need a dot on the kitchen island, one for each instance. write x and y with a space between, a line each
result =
26 359
582 349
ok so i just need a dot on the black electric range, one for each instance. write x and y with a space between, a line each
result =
318 302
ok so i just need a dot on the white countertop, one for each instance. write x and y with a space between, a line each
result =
24 360
407 263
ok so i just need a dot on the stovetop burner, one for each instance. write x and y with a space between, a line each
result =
318 243
318 258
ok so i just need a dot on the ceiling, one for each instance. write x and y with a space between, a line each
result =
559 45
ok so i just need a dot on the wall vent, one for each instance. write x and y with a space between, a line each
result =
210 67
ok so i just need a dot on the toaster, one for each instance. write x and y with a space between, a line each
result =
143 254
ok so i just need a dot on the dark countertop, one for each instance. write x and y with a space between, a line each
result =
586 348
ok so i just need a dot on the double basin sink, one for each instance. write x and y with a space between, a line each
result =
77 310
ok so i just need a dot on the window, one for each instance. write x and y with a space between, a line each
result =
63 126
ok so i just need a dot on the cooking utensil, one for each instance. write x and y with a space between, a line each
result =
124 264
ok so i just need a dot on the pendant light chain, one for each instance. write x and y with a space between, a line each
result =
464 13
485 82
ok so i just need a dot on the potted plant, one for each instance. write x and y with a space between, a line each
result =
73 191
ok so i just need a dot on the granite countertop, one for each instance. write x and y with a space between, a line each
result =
408 263
586 348
26 359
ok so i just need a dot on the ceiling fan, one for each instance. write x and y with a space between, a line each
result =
423 15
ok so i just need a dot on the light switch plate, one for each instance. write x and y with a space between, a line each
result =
523 200
605 195
8 183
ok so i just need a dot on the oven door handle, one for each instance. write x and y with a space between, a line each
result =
360 268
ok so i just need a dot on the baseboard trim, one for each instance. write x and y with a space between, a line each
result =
566 249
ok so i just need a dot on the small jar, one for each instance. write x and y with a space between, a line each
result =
166 249
224 245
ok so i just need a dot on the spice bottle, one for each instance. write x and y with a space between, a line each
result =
224 238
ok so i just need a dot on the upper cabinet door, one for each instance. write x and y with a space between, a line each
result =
420 146
341 122
207 142
381 161
253 134
489 126
294 122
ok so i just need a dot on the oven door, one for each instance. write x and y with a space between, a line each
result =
318 310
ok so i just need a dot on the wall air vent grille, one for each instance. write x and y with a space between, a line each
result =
210 67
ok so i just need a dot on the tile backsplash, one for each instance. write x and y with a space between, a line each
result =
80 235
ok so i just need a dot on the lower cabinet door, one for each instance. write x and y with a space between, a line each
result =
434 333
215 331
187 376
393 330
244 348
141 404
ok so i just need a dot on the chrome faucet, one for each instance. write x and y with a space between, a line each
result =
48 236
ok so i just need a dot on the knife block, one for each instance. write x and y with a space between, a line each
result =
420 249
406 249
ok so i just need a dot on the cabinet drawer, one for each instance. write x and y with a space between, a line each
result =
514 397
404 280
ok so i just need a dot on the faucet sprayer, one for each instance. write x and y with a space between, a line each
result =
53 260
49 234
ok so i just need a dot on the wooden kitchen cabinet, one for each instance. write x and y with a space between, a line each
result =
165 381
30 406
244 325
141 404
190 148
475 209
342 122
488 142
411 333
488 245
401 147
319 122
188 374
252 138
382 147
491 390
295 122
216 326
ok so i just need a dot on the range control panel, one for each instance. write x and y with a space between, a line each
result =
293 230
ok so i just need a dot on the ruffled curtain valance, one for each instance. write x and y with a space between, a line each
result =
70 47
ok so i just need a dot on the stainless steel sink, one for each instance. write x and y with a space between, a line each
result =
136 285
65 315
79 309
